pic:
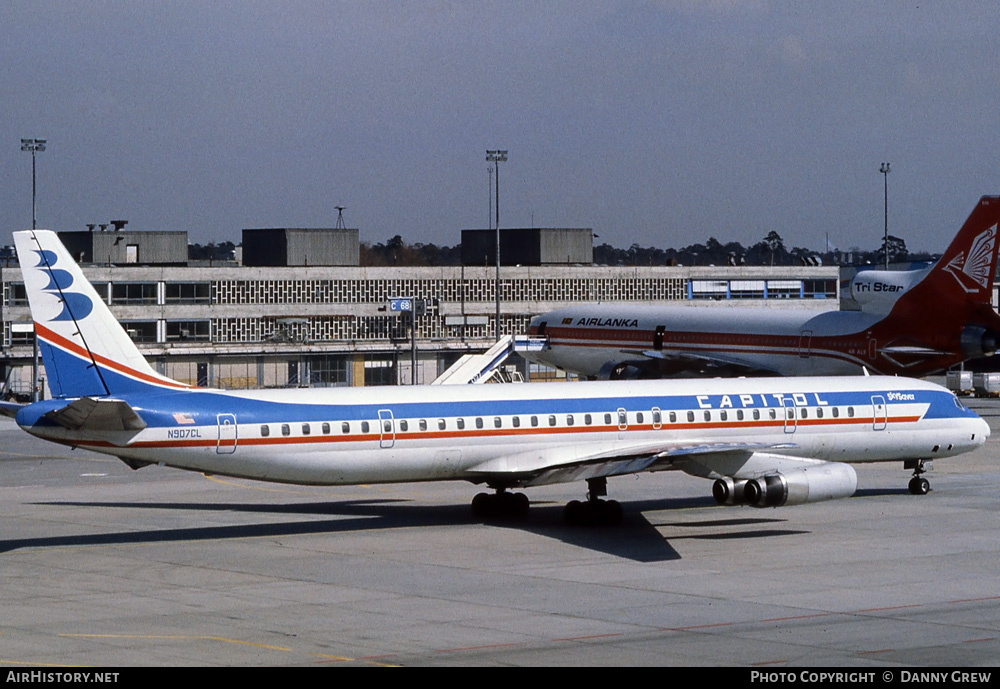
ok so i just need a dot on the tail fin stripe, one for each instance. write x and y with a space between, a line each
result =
96 360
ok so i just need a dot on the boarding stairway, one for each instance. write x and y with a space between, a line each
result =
475 369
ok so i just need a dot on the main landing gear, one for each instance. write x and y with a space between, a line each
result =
500 505
918 484
594 512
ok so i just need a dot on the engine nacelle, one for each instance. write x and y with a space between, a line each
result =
727 491
877 290
978 341
824 481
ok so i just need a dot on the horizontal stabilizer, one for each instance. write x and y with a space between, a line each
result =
89 414
10 408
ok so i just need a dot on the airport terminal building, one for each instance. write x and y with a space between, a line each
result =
298 310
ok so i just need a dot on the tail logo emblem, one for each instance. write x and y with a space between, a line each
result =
976 268
75 306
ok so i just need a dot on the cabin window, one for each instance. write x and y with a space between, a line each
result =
569 419
836 412
708 416
690 416
305 429
479 422
639 417
756 414
588 419
386 426
516 421
460 423
739 414
423 424
772 414
365 427
497 423
723 415
404 426
805 413
345 427
441 424
534 421
552 420
819 413
286 429
850 412
326 429
673 417
265 431
657 419
607 419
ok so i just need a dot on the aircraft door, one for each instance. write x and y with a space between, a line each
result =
805 343
386 428
658 337
227 434
622 422
880 413
790 414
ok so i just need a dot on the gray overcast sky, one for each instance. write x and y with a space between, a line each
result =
661 123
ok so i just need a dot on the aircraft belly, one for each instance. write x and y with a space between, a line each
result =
326 463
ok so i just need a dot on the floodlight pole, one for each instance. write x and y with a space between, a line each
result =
34 146
497 157
885 178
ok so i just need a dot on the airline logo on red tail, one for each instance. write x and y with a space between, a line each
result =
973 272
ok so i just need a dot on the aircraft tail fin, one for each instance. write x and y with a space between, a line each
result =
967 267
954 299
85 350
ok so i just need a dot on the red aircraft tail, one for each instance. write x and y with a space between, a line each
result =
954 300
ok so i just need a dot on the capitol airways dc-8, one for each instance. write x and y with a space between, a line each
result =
911 323
764 442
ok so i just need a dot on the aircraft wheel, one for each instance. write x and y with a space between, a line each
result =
593 513
573 513
482 505
920 486
500 505
611 514
519 505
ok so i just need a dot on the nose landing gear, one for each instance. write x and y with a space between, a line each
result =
918 484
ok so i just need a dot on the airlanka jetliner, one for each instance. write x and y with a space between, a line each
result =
764 442
911 323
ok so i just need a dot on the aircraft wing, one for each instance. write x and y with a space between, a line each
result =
89 414
567 463
912 351
696 361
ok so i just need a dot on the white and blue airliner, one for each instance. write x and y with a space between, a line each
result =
763 441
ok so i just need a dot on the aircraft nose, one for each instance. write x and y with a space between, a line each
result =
984 432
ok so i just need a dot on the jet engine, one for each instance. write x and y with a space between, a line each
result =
823 481
978 341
